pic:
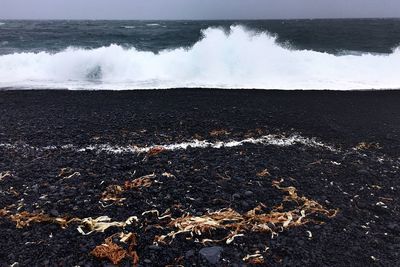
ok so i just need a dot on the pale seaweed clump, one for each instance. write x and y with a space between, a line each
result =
114 192
366 146
255 220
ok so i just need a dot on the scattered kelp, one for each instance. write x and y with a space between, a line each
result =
255 220
155 151
114 252
219 226
220 132
5 175
366 146
25 219
109 250
263 173
102 223
114 192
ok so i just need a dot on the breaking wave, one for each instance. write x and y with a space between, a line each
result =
238 59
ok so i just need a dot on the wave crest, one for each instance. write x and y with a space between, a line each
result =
238 59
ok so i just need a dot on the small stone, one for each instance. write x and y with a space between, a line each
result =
147 261
248 193
154 247
189 254
211 254
54 213
363 172
235 196
300 243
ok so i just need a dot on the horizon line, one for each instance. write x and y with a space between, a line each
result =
170 19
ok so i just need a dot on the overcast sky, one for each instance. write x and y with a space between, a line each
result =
196 9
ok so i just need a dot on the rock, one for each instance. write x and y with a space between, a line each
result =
363 172
211 254
248 193
393 226
147 261
236 196
54 213
154 247
245 205
189 254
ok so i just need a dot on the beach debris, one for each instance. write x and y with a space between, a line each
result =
263 173
309 234
114 192
25 219
65 171
255 220
144 181
68 173
102 223
115 253
219 132
4 175
254 259
155 151
366 146
109 250
167 174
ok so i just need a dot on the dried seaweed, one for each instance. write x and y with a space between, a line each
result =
109 250
4 175
144 181
114 192
366 146
102 223
115 253
155 151
263 173
255 220
254 259
25 219
219 132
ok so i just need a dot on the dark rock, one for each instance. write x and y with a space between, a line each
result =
54 213
363 172
211 254
248 193
154 247
236 196
189 254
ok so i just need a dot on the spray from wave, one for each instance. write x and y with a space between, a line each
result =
238 59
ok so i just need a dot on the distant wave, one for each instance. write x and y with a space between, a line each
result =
2 23
152 24
239 59
129 27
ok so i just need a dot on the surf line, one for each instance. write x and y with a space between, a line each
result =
273 140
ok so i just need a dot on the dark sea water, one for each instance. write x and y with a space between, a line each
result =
285 54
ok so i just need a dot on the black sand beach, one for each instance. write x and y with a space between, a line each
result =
313 179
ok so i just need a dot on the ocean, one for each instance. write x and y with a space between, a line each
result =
266 54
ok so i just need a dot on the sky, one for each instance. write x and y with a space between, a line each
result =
197 9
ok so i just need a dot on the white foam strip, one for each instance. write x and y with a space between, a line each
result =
265 140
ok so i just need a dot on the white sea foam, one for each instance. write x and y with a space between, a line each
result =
2 23
273 140
129 27
240 59
152 24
